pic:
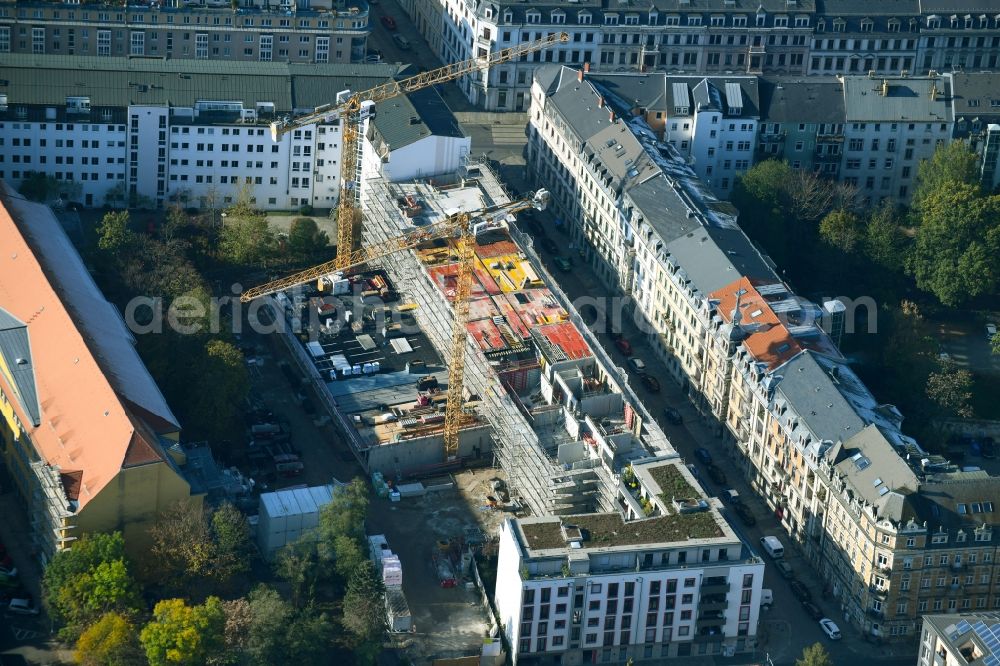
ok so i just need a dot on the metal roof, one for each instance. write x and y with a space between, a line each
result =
814 397
406 119
908 99
802 100
15 348
119 82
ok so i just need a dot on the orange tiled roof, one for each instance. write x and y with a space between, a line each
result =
100 409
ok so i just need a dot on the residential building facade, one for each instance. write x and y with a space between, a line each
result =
608 588
168 132
977 119
719 37
893 531
86 437
318 32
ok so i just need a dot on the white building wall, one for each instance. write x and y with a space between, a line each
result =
508 589
147 151
427 157
91 155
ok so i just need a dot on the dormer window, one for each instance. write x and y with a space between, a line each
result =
508 16
717 21
558 17
673 20
533 16
694 20
654 17
839 25
761 19
584 18
934 21
893 25
631 19
968 20
953 20
780 21
740 21
867 24
821 26
801 21
611 19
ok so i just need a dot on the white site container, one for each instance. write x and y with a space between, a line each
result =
285 515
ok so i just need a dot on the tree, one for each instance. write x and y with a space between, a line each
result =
182 550
952 164
955 256
245 239
91 579
270 616
182 635
814 655
215 406
305 238
239 617
113 234
364 611
232 537
951 390
308 638
342 528
995 343
299 564
841 229
117 196
884 242
38 186
111 641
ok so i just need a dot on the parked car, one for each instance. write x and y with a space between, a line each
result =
703 454
988 447
694 471
623 345
744 513
651 383
22 606
672 416
562 263
812 610
548 245
388 22
402 42
784 568
830 628
991 330
637 364
8 570
800 591
716 474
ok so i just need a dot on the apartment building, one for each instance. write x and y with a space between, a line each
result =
976 105
86 437
167 131
958 640
893 531
316 32
802 123
666 578
719 37
712 122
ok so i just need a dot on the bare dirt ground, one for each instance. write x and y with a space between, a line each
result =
448 622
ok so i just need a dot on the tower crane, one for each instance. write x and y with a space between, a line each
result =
464 227
348 108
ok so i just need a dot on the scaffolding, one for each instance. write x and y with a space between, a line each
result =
534 476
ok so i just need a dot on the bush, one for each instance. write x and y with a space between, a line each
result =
306 209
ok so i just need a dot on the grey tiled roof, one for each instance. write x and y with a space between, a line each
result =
802 100
15 348
407 119
909 100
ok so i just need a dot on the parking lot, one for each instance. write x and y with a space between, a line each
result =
448 621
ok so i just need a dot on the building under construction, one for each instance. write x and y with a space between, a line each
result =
562 419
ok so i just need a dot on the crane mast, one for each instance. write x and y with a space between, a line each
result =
349 111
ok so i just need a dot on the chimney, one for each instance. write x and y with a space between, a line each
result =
600 102
579 75
611 116
586 68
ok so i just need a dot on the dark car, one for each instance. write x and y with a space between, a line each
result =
548 245
988 448
800 591
623 345
651 383
784 568
564 264
702 454
812 610
716 474
672 416
388 22
743 511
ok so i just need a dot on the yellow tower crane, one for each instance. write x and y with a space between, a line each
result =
464 226
349 106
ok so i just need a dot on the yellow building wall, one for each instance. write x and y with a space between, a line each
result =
131 502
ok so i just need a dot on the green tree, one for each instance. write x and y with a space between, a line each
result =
38 186
842 229
348 554
181 547
111 641
89 580
884 242
270 616
216 406
760 196
232 537
951 390
305 238
364 612
814 655
952 164
995 343
308 638
113 234
300 565
341 528
245 238
182 635
955 256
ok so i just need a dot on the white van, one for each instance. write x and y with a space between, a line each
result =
773 547
766 597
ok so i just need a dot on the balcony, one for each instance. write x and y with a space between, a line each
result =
711 619
713 604
954 588
876 614
879 592
714 585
